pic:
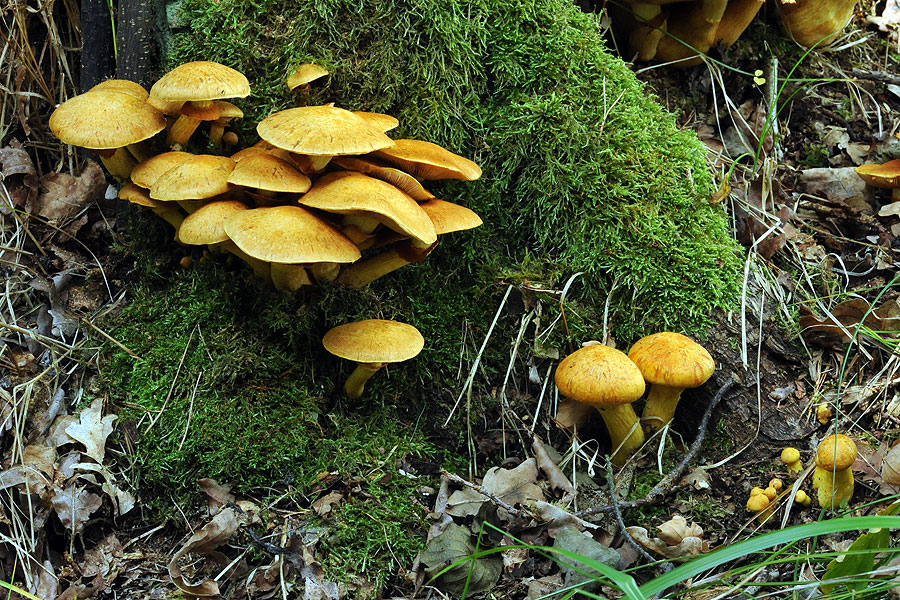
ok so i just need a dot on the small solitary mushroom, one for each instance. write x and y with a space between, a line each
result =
670 362
791 459
604 378
372 343
833 477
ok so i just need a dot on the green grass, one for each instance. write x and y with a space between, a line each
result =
582 170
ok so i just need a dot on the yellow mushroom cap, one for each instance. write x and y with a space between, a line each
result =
802 497
147 172
836 453
757 502
374 341
305 73
289 234
104 119
757 490
397 178
885 175
200 81
123 86
426 160
138 195
600 376
227 110
378 120
321 131
349 192
672 360
790 455
206 225
776 484
770 493
448 217
202 176
264 171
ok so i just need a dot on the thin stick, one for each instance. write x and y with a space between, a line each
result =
521 513
610 479
662 488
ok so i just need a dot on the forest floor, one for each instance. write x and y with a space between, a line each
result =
816 329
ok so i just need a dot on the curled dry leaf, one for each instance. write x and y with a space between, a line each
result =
326 503
513 486
217 494
825 332
558 480
452 545
890 468
676 538
205 541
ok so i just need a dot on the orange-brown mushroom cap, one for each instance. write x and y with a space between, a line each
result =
321 131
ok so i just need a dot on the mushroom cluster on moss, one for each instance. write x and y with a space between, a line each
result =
322 186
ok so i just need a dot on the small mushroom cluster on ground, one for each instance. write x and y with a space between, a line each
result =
677 30
832 478
603 378
323 186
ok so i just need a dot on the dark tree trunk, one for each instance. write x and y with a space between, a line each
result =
135 35
97 45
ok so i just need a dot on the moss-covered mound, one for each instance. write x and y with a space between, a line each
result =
582 170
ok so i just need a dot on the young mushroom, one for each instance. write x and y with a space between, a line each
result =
833 477
372 343
791 459
606 379
670 362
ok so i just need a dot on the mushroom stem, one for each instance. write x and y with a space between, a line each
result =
172 215
181 130
660 407
118 163
366 271
261 268
356 383
625 436
834 487
289 277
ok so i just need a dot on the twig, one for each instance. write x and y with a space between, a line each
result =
521 513
876 76
662 488
610 479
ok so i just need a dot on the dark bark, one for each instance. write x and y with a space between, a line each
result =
97 47
135 35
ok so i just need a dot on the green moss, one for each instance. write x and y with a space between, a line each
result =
581 168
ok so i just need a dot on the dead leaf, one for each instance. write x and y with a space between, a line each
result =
450 548
676 529
754 222
217 494
326 503
890 469
74 505
676 538
122 500
92 430
63 196
205 541
514 486
571 414
558 480
825 332
698 478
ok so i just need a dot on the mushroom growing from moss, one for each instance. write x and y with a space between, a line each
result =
671 363
833 477
791 459
106 121
606 379
372 343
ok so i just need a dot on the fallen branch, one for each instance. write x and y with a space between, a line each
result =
665 485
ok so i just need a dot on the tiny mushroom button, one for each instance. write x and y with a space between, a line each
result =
372 343
670 362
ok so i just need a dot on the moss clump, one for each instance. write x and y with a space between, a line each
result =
582 169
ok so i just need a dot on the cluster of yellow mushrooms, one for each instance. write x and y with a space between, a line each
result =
675 30
832 478
323 186
609 380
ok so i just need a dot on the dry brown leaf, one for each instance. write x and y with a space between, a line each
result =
326 503
74 505
558 480
676 529
571 414
825 332
64 196
676 538
217 494
92 430
753 221
205 541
